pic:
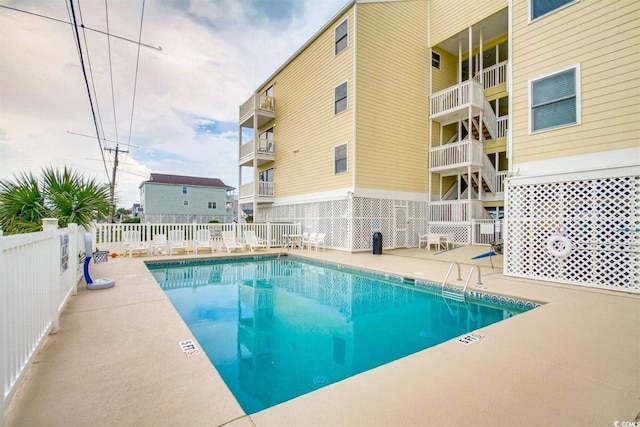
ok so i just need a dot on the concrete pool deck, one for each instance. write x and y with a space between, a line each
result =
116 361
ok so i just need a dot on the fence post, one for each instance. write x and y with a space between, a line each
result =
269 234
3 333
74 255
50 225
148 236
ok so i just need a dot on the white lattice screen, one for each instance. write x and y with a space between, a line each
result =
349 224
600 217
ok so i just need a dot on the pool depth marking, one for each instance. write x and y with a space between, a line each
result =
469 339
189 348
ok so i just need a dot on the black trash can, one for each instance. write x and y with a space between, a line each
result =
377 243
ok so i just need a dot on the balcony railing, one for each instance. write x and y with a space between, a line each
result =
502 126
454 98
257 103
265 150
265 190
499 181
494 75
456 210
459 154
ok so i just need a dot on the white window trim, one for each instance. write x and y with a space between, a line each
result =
575 67
346 158
334 98
184 189
531 19
185 203
334 37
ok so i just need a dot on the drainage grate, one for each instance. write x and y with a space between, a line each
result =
471 338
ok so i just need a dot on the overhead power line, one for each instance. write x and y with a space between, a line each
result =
81 26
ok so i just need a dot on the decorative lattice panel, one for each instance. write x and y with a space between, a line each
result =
349 224
601 219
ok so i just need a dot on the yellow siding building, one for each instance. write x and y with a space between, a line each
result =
512 121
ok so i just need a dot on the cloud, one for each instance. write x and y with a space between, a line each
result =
214 54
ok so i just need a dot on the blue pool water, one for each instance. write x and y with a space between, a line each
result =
277 329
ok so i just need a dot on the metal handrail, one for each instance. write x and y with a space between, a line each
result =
464 290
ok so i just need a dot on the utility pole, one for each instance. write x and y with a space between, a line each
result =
113 182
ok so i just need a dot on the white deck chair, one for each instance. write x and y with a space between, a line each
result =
317 240
422 238
433 239
229 241
450 240
312 238
159 244
253 241
202 241
177 241
133 243
304 240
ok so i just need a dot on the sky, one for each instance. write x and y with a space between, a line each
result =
177 114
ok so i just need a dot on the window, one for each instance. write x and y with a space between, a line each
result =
340 158
341 102
342 36
435 60
184 189
211 205
185 203
266 175
538 8
554 100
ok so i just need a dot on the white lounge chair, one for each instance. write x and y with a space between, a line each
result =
177 242
253 241
229 241
159 244
304 240
317 240
422 238
133 243
202 241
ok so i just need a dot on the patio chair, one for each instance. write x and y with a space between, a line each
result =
202 241
229 241
159 244
433 239
422 238
177 241
254 241
133 243
317 240
304 240
450 240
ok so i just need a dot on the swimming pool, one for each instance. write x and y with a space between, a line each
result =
279 328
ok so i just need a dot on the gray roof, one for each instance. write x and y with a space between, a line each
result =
160 178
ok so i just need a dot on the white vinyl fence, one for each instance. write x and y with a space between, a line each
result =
108 237
38 272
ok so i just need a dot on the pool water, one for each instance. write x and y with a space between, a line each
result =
279 328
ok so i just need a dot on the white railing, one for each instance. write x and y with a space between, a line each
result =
266 147
489 173
246 151
108 237
265 189
456 97
38 272
257 102
456 210
502 125
486 231
458 154
489 117
494 75
499 181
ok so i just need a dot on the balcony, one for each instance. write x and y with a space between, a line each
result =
258 110
263 153
452 104
456 211
265 192
456 157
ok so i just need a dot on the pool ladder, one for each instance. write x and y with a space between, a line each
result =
454 294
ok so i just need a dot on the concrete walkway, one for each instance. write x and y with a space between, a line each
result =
116 362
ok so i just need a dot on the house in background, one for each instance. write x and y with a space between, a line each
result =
183 199
414 116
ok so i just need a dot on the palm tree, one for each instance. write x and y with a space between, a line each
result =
62 194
